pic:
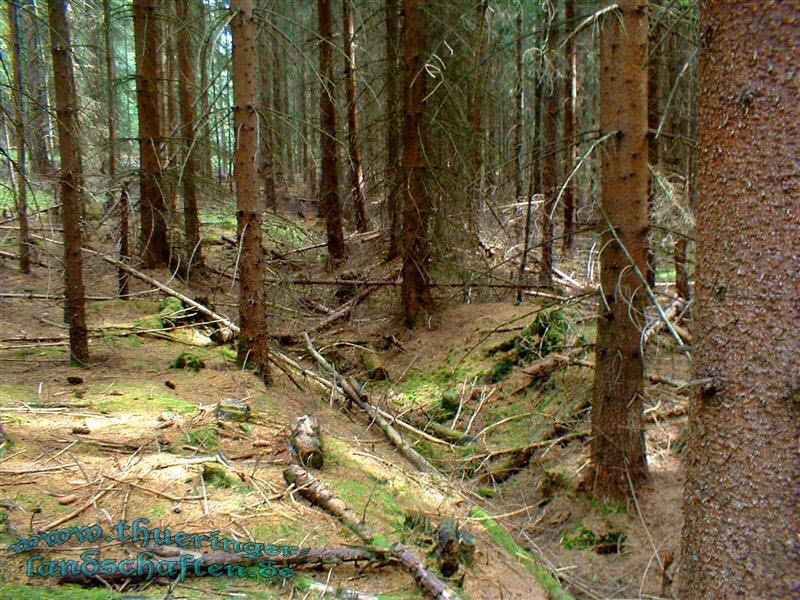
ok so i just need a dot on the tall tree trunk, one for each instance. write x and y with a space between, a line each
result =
70 178
416 292
124 251
152 208
171 116
253 338
17 92
206 168
549 175
110 92
277 128
39 114
519 97
186 91
353 129
569 125
267 170
475 193
394 169
741 508
654 108
329 206
618 449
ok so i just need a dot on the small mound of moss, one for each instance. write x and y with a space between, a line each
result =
187 360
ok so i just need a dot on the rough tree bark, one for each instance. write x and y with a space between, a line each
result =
415 290
353 129
475 191
110 93
252 343
617 448
267 171
153 230
394 169
519 98
70 178
39 112
569 124
741 509
17 91
548 160
329 207
654 108
186 91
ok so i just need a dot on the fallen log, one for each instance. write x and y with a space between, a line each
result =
554 361
305 442
319 494
360 399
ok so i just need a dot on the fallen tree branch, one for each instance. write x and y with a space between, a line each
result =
359 398
319 494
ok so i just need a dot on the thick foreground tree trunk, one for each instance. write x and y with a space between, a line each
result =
329 207
152 208
741 497
253 338
70 178
186 91
416 292
618 450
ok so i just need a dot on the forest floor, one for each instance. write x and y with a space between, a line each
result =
115 439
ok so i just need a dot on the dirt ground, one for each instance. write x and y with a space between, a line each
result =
116 439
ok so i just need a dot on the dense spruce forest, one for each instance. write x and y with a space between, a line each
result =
479 299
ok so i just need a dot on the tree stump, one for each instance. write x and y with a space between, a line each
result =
306 442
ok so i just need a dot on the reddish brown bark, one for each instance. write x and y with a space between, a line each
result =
394 169
19 125
617 448
353 128
193 250
152 208
252 349
70 178
741 510
654 108
569 125
266 167
415 289
548 162
329 207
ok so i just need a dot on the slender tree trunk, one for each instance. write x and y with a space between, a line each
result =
124 251
329 206
110 92
152 208
39 114
475 194
680 258
171 116
618 450
267 170
416 292
519 149
70 179
394 169
741 510
186 91
569 125
253 338
17 91
206 169
549 175
353 129
279 114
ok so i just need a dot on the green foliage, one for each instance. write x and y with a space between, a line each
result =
187 360
605 543
546 334
205 437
